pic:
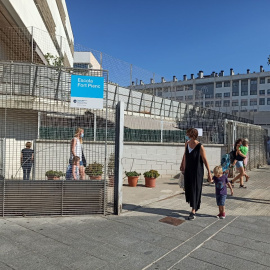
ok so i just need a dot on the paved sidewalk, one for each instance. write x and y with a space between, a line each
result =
138 240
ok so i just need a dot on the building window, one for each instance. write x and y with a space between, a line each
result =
262 80
209 104
218 103
180 98
208 96
262 101
253 92
159 94
188 87
81 65
268 80
235 88
218 84
244 93
189 97
244 103
218 95
226 103
227 94
253 102
227 84
268 101
268 92
253 81
262 92
199 104
180 88
235 103
234 111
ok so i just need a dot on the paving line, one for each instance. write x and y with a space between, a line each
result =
179 245
203 242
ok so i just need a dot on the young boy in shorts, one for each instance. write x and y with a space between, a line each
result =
221 182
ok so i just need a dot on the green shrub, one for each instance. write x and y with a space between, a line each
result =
151 174
94 169
134 173
54 173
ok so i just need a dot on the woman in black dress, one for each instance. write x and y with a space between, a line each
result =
192 166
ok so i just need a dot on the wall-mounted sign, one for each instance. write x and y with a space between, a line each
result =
86 92
200 131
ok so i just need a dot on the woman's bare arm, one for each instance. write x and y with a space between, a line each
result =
203 155
73 145
183 163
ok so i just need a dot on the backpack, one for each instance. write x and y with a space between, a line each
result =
225 162
232 156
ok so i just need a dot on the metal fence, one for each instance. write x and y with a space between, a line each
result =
257 137
35 100
33 45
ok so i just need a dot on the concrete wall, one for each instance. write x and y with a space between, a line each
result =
165 158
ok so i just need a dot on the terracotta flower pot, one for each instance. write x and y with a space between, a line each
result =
95 177
150 182
53 177
133 180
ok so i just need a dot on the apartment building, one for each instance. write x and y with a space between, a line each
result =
246 95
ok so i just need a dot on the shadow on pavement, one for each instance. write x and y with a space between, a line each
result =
162 211
253 200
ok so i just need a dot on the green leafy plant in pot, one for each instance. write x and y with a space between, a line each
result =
54 175
150 178
94 171
132 178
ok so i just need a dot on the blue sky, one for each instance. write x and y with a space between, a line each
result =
176 37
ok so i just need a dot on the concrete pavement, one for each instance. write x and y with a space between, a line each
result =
138 240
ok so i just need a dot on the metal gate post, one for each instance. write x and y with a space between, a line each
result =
119 139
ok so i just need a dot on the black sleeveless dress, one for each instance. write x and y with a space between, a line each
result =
193 177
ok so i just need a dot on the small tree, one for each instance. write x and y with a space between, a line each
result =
55 61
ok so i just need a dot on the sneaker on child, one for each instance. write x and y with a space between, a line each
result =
222 216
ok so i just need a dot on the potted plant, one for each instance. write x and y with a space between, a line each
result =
94 171
132 178
111 170
54 175
150 178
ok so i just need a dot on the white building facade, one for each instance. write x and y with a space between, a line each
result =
246 95
31 29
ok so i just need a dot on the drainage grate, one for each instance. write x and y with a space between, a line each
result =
172 221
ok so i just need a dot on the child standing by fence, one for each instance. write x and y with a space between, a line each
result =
221 182
72 172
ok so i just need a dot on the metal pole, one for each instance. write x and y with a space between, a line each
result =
101 60
119 143
95 127
32 44
161 131
130 74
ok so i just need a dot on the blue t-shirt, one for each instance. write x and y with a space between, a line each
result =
221 184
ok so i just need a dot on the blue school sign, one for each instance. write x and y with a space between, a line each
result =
86 92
